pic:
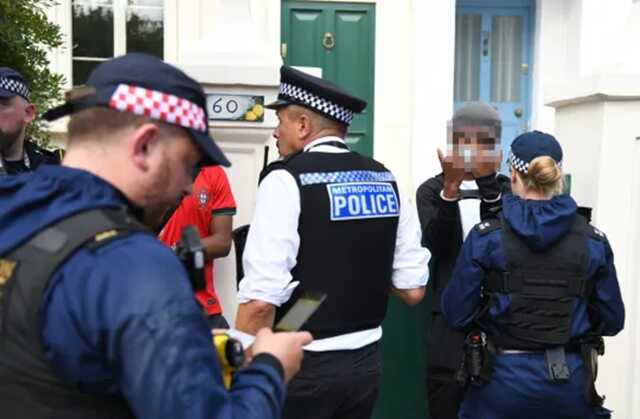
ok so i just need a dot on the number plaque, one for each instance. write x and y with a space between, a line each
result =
224 107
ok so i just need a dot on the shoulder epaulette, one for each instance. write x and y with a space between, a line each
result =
488 226
597 233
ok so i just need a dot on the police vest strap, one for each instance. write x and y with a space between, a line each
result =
276 165
569 285
20 340
92 228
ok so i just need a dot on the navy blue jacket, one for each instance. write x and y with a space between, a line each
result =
122 319
539 224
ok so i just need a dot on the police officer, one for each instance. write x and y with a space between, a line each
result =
539 287
329 220
449 205
105 325
18 153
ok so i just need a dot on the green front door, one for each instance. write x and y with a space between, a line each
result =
339 38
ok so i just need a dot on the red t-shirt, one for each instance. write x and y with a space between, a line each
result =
211 195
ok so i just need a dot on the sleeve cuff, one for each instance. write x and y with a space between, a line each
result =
493 201
489 188
269 359
448 199
224 211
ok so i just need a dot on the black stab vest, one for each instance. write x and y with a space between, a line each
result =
542 287
29 386
347 226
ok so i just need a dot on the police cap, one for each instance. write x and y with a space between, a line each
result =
13 84
319 95
147 86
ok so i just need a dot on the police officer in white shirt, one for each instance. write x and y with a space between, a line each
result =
332 221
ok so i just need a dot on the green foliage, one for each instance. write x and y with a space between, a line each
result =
25 38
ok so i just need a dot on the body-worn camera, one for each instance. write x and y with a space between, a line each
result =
190 251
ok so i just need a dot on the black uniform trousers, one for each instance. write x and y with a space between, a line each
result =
335 385
445 354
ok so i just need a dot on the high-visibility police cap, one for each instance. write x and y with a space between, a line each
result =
13 84
531 145
319 95
147 86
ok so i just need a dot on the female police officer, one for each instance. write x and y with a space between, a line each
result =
535 288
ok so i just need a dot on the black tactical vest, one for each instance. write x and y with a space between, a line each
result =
348 225
29 387
542 287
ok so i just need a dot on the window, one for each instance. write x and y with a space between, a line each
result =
107 28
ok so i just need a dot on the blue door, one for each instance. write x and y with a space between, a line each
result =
493 56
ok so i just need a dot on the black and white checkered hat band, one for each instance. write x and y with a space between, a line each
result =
520 165
323 106
14 86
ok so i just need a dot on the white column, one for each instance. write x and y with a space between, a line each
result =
433 70
597 122
232 47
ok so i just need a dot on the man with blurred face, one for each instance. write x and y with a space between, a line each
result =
17 153
449 205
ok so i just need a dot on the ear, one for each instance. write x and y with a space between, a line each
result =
29 112
142 142
304 127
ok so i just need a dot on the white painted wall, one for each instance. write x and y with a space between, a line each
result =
602 152
596 119
232 46
433 45
394 89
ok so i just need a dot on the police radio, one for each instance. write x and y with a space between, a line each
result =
191 253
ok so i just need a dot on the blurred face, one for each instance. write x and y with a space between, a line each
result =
172 168
15 114
289 132
475 145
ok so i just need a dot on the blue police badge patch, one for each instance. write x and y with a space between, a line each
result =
361 200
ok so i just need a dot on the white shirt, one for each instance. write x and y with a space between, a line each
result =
273 242
469 209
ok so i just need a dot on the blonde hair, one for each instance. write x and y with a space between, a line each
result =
544 176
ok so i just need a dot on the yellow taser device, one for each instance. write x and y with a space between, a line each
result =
230 354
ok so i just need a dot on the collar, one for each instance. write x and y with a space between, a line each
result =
321 141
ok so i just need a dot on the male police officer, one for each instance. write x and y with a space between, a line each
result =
17 153
105 325
329 220
449 205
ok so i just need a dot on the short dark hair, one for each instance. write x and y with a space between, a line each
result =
319 120
100 121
